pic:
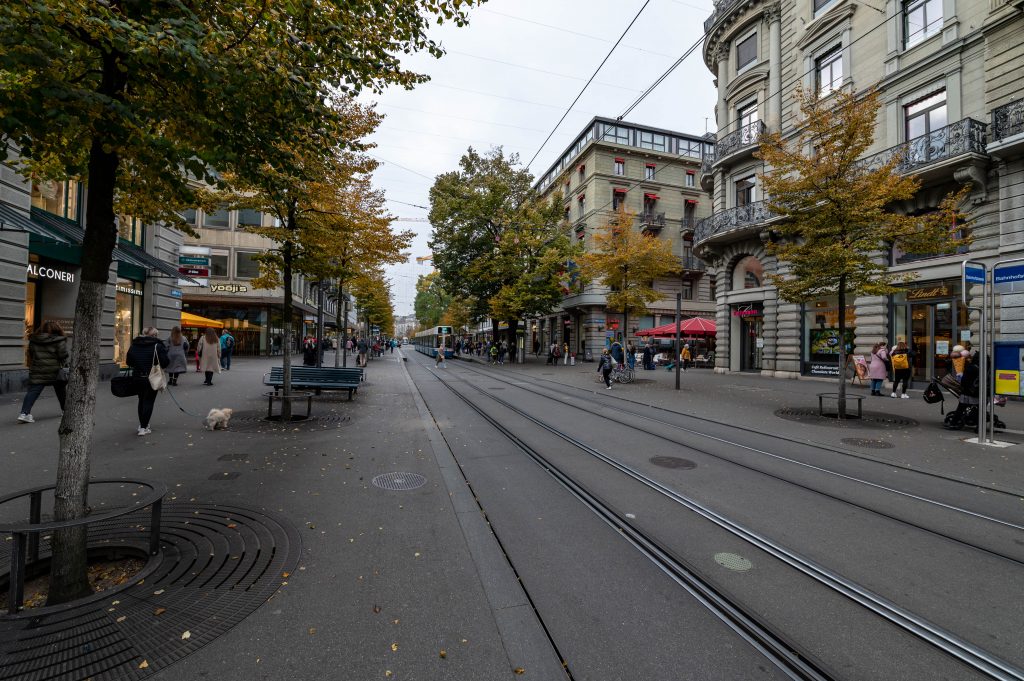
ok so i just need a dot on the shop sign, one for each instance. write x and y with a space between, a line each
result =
194 250
929 292
229 288
130 290
816 369
194 260
175 293
43 272
746 312
195 271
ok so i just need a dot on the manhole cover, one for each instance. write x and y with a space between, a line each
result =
866 442
224 476
734 562
399 481
810 416
218 565
672 462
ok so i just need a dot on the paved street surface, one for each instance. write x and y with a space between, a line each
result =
496 568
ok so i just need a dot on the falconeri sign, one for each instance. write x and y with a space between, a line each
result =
43 272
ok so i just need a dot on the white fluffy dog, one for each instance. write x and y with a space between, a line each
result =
218 418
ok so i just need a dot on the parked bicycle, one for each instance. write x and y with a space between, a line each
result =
620 373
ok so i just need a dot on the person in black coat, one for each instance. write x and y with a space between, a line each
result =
145 351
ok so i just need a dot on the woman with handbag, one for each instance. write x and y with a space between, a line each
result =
177 350
209 355
147 358
48 351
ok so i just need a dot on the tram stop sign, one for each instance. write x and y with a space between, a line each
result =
1009 278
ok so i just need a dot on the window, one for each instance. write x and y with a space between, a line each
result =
746 51
616 134
689 178
649 171
687 290
219 264
690 148
217 219
650 140
618 199
583 172
620 166
59 198
750 280
925 116
829 69
582 201
921 19
745 191
245 266
821 4
130 229
747 115
249 217
189 215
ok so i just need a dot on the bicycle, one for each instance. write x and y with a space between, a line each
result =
620 373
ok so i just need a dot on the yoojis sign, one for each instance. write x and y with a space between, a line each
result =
228 288
41 272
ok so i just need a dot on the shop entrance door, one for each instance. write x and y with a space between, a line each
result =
933 328
751 329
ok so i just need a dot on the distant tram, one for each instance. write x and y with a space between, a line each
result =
428 341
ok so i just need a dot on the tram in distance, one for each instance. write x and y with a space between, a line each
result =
428 341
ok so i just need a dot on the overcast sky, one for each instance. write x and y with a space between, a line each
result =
509 76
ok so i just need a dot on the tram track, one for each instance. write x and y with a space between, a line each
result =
783 654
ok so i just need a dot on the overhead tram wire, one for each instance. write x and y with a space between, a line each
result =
589 81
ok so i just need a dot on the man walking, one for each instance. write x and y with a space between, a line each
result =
362 347
227 347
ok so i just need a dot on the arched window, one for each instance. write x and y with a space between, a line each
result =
748 273
750 280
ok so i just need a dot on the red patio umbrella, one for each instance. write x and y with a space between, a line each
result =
698 326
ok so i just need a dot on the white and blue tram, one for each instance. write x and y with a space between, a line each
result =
428 341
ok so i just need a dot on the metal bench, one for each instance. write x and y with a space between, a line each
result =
317 379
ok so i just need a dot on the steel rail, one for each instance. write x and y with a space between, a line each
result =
972 655
786 657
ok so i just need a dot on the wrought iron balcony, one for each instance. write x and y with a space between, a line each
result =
688 224
692 263
741 217
707 162
747 136
963 137
652 221
1007 120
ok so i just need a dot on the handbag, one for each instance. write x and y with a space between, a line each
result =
157 377
124 385
63 374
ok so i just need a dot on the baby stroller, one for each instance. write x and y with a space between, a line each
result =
965 415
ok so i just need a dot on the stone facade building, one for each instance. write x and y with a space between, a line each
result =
652 173
952 104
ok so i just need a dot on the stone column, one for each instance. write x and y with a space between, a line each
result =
722 110
773 114
722 321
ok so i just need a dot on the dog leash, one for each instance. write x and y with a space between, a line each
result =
175 400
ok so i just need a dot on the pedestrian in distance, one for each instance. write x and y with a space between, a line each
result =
878 367
177 351
684 356
604 367
551 354
439 357
209 355
145 352
901 357
362 347
631 355
565 354
227 348
309 353
536 347
48 354
196 351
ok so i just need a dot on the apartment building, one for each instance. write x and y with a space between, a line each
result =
952 106
647 171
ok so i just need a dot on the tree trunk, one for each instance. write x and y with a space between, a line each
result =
339 329
68 579
286 387
494 331
344 320
513 327
842 347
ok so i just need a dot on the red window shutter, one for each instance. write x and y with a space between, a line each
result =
652 196
650 165
620 160
620 190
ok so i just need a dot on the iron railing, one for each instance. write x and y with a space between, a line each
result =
747 136
692 263
688 224
729 220
707 162
963 137
652 220
1007 120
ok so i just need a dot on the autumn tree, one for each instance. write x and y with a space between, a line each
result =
459 314
628 261
432 300
138 98
839 223
373 300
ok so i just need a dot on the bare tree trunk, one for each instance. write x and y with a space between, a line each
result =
68 579
340 330
344 315
513 349
286 403
842 346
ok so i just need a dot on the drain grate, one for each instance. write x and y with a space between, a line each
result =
734 562
866 442
869 419
218 564
399 482
673 462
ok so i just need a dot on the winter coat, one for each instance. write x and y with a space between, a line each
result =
178 355
877 368
47 354
209 356
140 355
604 364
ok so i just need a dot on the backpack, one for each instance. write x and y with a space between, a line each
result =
900 361
229 341
933 394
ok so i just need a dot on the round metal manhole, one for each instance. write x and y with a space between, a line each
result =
218 564
734 562
673 462
810 416
399 482
867 443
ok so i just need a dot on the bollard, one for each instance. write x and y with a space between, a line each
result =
573 360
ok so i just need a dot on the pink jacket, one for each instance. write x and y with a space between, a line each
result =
876 364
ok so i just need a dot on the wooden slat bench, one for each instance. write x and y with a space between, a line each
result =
317 379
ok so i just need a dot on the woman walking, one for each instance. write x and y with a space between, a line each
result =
177 351
604 366
209 355
878 367
900 357
48 351
146 350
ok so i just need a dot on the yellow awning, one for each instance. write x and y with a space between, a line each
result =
195 321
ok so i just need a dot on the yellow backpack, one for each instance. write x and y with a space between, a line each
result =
899 361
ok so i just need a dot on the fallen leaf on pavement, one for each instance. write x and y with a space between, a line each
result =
159 611
312 630
394 647
122 618
443 654
144 665
186 636
376 610
519 670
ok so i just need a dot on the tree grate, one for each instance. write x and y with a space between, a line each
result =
811 416
218 564
399 482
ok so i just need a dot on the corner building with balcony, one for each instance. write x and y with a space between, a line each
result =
652 173
952 105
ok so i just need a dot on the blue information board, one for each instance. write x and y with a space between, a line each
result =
974 274
1009 278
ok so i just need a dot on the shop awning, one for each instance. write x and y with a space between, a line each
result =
13 220
695 326
195 321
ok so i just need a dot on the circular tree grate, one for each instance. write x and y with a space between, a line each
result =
672 462
867 442
734 562
399 481
870 419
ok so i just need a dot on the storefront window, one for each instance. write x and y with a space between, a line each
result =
932 319
821 336
245 266
127 316
130 229
59 198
